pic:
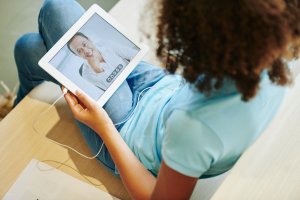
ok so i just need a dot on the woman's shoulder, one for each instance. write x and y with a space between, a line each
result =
189 145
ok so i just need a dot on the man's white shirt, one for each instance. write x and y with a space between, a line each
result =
114 56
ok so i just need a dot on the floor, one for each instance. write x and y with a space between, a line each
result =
19 17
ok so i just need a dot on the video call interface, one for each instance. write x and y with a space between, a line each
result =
95 56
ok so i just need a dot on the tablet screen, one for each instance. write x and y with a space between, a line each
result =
95 56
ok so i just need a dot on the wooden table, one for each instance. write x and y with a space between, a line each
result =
20 142
268 170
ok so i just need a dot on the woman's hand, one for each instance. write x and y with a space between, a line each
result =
88 112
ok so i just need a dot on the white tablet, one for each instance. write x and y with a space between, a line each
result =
95 56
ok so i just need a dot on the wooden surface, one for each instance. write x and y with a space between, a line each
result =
268 170
20 143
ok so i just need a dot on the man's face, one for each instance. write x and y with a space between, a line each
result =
83 47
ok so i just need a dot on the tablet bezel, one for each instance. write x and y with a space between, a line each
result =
94 9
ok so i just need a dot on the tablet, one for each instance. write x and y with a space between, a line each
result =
94 56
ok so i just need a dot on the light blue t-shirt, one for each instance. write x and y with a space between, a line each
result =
197 136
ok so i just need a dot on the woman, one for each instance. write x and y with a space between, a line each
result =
232 55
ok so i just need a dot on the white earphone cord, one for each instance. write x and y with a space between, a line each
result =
68 147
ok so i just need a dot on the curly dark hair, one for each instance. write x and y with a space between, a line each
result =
235 39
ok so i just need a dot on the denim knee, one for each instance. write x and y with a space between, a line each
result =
50 8
59 7
53 6
29 49
56 17
25 47
21 44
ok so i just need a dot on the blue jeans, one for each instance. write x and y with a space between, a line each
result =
55 18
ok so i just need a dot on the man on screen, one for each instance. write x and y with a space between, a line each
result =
103 61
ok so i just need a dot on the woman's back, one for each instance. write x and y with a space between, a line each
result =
195 134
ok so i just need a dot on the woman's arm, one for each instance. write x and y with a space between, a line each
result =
138 180
172 185
140 183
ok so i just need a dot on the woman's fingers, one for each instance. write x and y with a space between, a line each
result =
75 107
71 99
84 99
71 102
